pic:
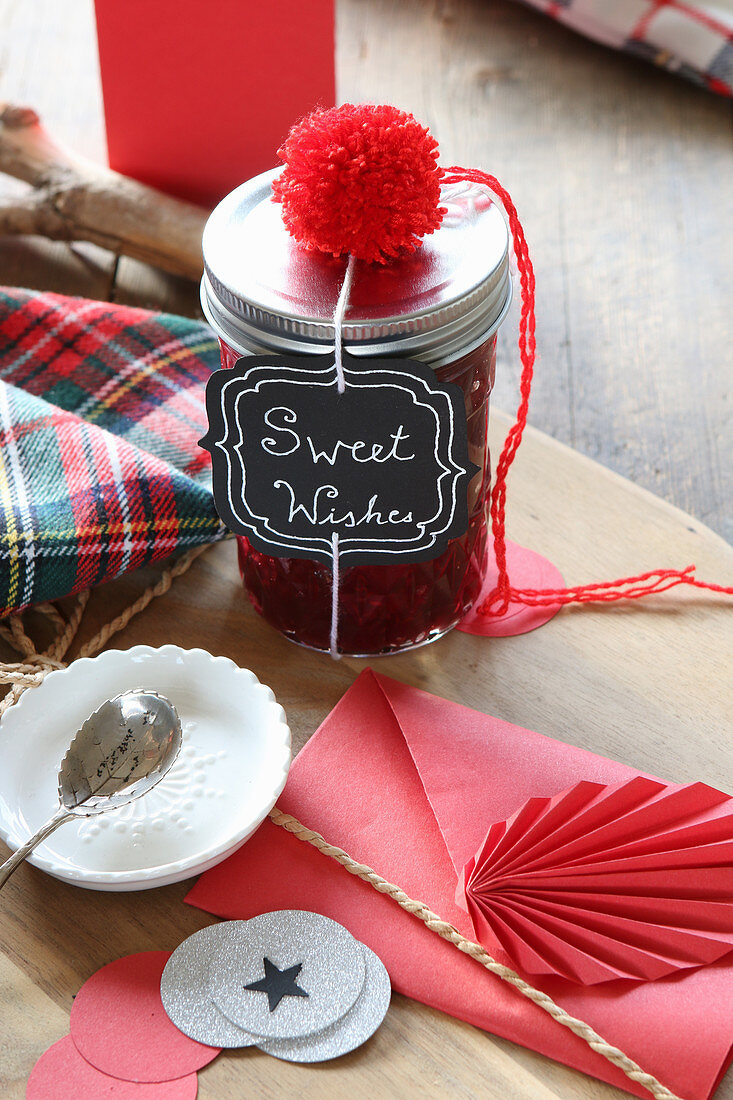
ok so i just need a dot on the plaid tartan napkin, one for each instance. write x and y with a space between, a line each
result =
101 408
693 39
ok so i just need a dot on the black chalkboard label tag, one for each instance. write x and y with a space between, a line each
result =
382 466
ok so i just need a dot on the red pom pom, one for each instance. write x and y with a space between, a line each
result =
360 179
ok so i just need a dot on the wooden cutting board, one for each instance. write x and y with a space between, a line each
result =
646 683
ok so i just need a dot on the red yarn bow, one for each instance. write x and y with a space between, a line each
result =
360 179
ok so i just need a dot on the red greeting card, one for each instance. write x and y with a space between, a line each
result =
409 784
198 94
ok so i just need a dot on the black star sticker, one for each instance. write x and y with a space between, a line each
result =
278 983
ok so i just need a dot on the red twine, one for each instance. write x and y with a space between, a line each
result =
364 180
624 588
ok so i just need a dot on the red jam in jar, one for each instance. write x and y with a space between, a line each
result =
443 304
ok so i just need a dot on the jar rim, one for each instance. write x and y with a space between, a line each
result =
441 355
263 291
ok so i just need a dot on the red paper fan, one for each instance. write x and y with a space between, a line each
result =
631 880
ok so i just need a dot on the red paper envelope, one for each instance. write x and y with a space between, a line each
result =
409 783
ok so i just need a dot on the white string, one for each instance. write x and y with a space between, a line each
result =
338 361
333 648
338 323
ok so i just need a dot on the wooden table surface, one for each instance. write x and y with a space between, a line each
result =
585 678
619 173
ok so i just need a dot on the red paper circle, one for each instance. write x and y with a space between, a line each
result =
119 1024
526 569
61 1073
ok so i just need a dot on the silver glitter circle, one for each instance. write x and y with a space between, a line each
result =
348 1033
184 991
332 972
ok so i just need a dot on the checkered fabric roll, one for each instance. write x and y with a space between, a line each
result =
693 39
101 410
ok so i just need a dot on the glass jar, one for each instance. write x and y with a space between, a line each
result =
443 304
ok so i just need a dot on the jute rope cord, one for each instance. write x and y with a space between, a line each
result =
474 950
32 669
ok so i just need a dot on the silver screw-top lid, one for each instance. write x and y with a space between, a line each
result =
262 291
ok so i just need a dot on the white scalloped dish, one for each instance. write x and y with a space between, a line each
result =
232 766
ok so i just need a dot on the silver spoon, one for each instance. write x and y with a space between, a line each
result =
120 752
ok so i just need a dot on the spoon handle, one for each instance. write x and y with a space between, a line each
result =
7 868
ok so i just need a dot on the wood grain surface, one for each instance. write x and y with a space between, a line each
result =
649 685
619 173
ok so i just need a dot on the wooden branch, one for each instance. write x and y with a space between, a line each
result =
73 199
